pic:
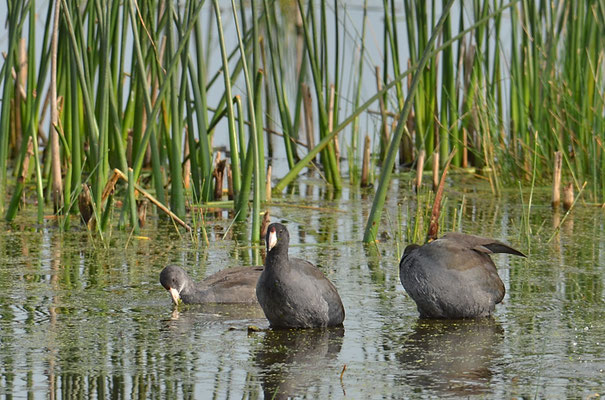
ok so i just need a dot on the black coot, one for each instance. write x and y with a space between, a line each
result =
454 276
292 292
231 285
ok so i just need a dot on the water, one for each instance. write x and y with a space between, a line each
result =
79 320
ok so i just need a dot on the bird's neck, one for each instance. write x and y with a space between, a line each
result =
277 259
193 294
188 288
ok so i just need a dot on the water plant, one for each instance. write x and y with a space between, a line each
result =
136 87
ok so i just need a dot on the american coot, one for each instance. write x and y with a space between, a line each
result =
232 285
292 292
454 276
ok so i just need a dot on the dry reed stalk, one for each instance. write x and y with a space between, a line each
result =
20 96
300 41
266 83
365 168
331 126
434 222
129 147
527 167
85 200
308 107
230 192
85 205
384 132
41 134
152 199
268 186
435 170
406 148
20 86
142 211
109 187
218 173
25 169
265 224
568 196
57 185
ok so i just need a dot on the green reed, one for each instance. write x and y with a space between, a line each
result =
379 199
146 84
316 47
354 149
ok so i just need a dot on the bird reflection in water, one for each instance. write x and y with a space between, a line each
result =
291 359
214 316
451 357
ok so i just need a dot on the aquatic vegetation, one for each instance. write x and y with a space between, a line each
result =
159 91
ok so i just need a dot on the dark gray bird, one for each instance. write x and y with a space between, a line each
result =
292 292
454 276
231 285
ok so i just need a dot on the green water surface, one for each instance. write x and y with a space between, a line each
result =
80 320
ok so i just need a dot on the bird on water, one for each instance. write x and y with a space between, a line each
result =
454 276
292 292
231 285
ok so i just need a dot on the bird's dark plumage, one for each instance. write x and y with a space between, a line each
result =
231 285
454 276
292 292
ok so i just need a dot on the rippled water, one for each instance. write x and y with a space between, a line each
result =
80 320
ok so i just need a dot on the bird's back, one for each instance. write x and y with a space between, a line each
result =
231 285
454 276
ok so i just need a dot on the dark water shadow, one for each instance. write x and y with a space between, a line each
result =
293 360
449 357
